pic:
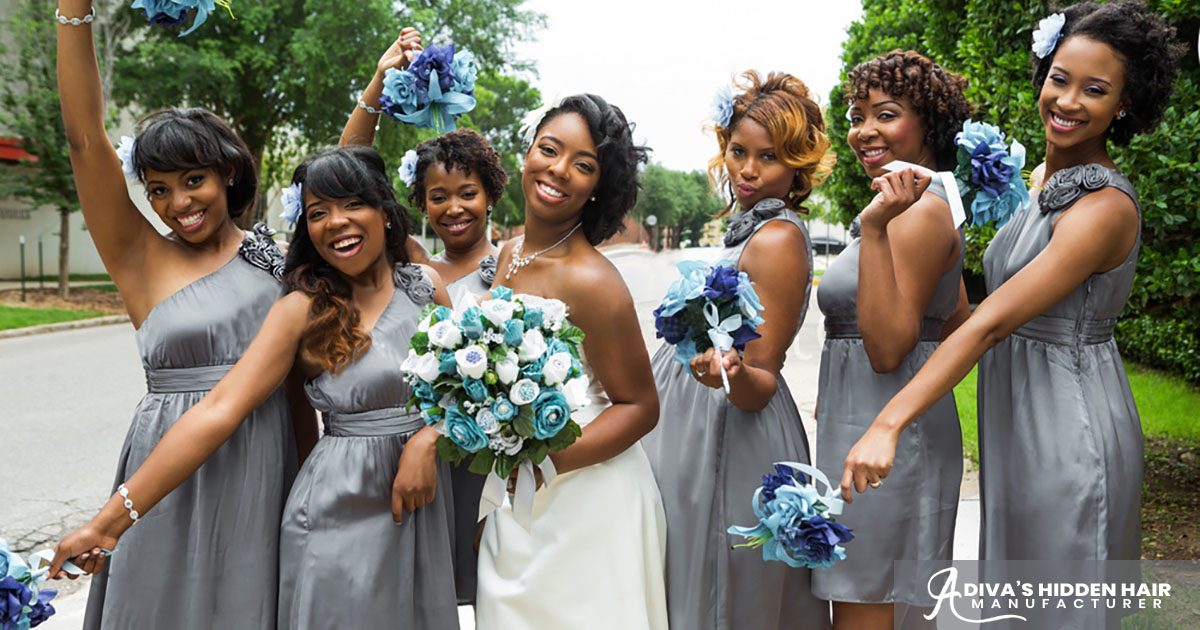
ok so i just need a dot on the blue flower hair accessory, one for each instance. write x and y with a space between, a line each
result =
125 151
1048 32
175 12
408 168
293 203
722 106
989 173
434 91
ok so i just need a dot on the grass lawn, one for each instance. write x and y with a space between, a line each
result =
22 316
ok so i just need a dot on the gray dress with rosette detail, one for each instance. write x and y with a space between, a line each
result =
207 555
1060 440
343 562
911 515
709 457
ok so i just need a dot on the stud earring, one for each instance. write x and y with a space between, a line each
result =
388 225
230 181
489 209
1121 114
593 197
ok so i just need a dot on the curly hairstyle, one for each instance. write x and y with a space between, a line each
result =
783 105
619 157
934 92
331 338
466 151
180 139
1146 44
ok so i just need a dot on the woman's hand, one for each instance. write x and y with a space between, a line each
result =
870 460
706 367
897 191
87 547
415 485
402 51
538 480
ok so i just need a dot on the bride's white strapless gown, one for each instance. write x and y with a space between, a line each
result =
594 557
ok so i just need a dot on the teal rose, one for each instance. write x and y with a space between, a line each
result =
463 431
514 332
424 391
475 389
550 414
472 323
533 371
447 365
503 409
533 318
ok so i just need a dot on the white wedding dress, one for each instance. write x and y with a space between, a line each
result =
594 558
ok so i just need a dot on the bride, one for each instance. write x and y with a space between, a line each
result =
593 556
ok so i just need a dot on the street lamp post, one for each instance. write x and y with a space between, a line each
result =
652 221
22 267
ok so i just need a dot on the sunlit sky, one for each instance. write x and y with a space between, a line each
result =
662 61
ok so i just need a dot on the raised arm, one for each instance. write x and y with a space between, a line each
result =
117 227
360 128
200 431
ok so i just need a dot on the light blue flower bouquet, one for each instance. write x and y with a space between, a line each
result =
434 91
24 603
173 13
989 173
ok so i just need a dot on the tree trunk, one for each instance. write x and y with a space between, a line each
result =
64 253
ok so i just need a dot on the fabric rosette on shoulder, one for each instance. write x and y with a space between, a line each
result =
172 13
437 88
500 380
989 173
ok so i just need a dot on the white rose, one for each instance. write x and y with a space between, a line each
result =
533 346
556 369
497 311
530 301
508 369
472 361
425 366
554 312
523 392
509 444
576 393
487 421
445 334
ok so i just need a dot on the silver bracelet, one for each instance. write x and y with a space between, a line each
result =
124 492
87 19
370 110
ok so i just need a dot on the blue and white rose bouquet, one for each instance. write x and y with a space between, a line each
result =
709 306
989 173
795 521
172 13
24 603
437 88
500 380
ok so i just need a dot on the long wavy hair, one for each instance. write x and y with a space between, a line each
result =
332 338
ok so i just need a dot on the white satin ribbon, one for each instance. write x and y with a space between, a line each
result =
830 497
943 181
721 335
495 488
41 561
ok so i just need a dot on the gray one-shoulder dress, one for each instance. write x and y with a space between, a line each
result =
911 515
207 555
468 486
709 457
1060 441
343 562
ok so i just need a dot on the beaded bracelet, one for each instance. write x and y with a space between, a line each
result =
87 19
124 492
370 110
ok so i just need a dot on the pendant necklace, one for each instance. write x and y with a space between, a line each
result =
518 261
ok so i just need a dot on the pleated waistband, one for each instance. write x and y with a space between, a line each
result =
372 423
847 328
1067 331
179 380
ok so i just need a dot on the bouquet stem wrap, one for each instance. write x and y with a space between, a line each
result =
721 335
522 502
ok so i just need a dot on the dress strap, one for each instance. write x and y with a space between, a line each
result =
261 250
416 285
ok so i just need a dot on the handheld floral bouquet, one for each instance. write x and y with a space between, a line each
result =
172 13
23 601
500 381
437 88
709 306
795 521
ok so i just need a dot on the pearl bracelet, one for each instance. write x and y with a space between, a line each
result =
87 19
124 492
370 110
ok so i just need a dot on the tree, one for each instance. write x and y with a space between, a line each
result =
682 202
31 110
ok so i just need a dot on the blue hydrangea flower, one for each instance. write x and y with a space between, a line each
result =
1045 38
722 106
408 168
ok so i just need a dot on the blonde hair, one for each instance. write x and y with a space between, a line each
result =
783 106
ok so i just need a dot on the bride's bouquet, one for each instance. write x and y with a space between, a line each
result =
795 521
709 306
500 380
24 603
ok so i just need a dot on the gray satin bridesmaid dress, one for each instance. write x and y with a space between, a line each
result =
1060 441
343 562
468 486
709 457
911 515
207 555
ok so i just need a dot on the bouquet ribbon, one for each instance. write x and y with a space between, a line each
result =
41 561
830 497
942 181
522 502
721 334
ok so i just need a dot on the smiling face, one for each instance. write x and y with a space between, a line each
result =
347 233
561 169
753 165
885 128
457 206
192 203
1082 93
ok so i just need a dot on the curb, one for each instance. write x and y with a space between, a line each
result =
106 320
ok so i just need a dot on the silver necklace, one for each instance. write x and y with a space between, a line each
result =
518 261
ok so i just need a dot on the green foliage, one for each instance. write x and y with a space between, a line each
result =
1170 343
681 201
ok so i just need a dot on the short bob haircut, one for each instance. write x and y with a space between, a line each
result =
783 105
182 139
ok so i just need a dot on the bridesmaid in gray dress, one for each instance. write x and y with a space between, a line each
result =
1060 438
197 297
345 322
886 300
709 451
